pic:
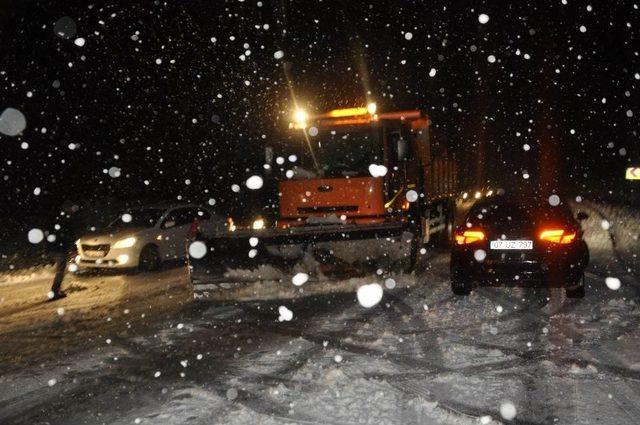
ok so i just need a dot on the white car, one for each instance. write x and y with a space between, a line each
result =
145 237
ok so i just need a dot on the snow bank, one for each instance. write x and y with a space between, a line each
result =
44 272
623 226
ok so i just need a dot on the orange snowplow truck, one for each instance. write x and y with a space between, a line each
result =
356 184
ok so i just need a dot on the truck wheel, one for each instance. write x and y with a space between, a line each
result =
578 291
149 258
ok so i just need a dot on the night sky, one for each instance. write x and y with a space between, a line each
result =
190 90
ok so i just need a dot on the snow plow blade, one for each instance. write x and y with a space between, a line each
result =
247 249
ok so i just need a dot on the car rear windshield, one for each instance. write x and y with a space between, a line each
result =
518 212
147 217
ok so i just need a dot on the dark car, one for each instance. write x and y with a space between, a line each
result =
520 242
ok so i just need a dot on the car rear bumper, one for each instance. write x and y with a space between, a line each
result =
551 268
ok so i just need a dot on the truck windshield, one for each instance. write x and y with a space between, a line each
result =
340 153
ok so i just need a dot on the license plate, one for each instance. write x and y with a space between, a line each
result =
504 244
94 254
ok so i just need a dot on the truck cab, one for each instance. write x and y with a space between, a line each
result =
348 166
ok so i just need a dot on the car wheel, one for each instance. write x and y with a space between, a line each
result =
149 258
577 291
460 286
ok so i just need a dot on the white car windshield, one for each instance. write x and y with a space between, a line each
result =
147 217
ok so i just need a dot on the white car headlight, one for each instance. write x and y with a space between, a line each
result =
125 243
258 224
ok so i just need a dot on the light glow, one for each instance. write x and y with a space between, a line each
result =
258 224
372 108
557 236
122 259
469 236
348 112
232 226
300 116
125 243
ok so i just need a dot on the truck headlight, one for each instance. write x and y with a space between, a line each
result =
125 243
258 224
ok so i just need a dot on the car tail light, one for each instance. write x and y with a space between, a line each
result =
558 236
469 236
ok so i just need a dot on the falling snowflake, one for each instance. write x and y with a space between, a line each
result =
612 283
508 410
12 122
285 314
114 172
35 236
389 283
369 295
480 255
197 249
254 182
377 170
554 200
300 279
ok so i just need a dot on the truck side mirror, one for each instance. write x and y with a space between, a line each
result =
403 149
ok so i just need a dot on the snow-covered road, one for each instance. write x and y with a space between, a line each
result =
421 356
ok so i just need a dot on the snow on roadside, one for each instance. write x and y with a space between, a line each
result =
236 286
27 274
623 223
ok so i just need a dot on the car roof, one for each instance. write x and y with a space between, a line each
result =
518 199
